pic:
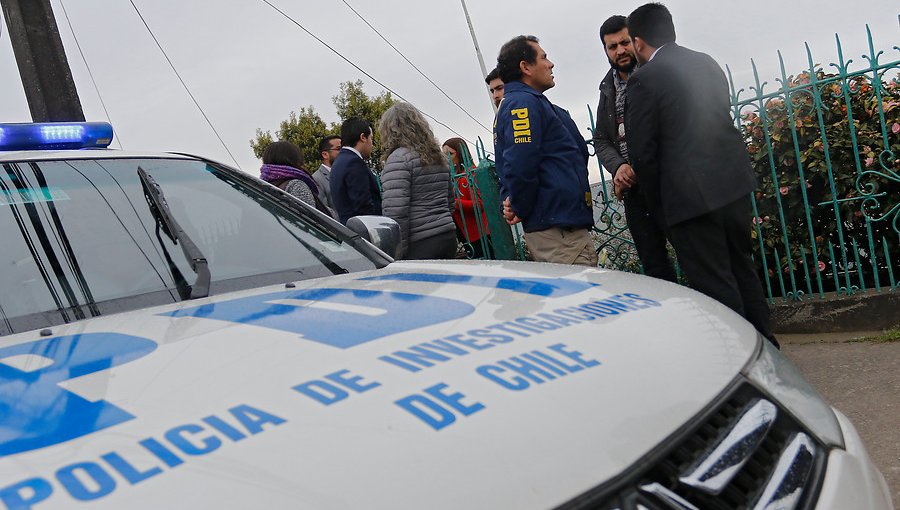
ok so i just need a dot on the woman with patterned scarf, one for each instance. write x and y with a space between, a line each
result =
283 167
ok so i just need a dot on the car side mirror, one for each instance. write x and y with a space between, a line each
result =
381 231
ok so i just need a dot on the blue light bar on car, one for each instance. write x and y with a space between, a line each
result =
55 136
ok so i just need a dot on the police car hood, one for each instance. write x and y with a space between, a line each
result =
422 385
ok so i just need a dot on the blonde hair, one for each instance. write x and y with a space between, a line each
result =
402 125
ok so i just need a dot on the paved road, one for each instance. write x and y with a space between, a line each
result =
862 380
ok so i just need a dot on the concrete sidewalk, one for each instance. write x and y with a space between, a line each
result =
862 380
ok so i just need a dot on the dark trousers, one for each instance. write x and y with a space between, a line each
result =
714 252
649 237
440 246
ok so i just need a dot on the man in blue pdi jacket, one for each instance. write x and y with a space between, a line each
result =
541 160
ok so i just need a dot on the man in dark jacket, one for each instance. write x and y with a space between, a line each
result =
612 149
541 160
692 163
354 188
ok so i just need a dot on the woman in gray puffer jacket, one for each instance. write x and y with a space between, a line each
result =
417 190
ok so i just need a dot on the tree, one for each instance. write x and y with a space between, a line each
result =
304 129
307 128
352 101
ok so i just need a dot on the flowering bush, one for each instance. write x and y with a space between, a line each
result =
792 132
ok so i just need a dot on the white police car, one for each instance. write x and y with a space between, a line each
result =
177 334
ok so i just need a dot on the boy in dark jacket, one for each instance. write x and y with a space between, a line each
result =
354 188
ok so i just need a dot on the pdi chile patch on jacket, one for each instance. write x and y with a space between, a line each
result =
521 125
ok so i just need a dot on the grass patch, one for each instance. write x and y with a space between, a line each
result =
891 335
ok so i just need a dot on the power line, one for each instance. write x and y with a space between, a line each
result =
345 59
414 66
91 74
183 84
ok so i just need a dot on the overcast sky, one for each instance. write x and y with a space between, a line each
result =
249 67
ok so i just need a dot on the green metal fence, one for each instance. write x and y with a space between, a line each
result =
614 244
824 144
481 229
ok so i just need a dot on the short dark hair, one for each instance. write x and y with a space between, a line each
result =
516 50
611 26
352 129
283 153
653 23
325 144
493 75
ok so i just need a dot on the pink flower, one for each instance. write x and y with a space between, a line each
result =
821 266
896 127
784 190
870 161
757 220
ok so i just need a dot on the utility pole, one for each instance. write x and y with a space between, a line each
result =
43 67
484 72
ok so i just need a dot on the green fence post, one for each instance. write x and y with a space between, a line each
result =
489 189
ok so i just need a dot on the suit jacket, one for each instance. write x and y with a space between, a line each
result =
683 144
321 176
354 188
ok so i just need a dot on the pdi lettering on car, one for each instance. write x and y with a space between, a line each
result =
177 334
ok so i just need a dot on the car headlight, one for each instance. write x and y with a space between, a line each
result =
774 374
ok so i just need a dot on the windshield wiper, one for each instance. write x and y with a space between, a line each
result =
164 218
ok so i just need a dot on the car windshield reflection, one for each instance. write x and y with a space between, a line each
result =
80 240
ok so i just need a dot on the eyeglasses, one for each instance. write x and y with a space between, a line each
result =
334 149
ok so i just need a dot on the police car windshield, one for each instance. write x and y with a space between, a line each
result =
79 240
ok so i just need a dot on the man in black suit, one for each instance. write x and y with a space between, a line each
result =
354 188
692 163
612 150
